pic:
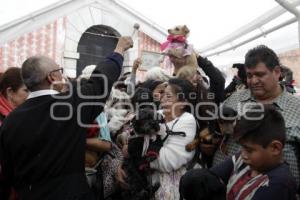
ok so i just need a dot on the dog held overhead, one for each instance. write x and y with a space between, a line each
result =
178 47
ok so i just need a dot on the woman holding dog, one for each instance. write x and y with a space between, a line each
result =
177 103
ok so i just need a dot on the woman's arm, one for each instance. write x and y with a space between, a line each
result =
97 145
131 84
131 87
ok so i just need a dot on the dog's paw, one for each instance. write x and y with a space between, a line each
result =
190 147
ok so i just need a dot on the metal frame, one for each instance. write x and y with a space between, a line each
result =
290 7
254 25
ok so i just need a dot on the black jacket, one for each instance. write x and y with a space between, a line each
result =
216 79
42 157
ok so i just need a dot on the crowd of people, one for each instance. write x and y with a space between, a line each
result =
107 136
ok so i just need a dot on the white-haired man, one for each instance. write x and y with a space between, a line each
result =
43 142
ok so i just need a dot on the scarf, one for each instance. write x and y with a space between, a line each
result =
171 39
104 133
5 106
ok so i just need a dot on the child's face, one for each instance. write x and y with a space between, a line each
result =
256 156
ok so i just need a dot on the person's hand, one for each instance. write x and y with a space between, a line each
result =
121 140
197 78
124 44
197 53
136 63
120 177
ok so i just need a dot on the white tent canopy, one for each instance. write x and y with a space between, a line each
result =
209 21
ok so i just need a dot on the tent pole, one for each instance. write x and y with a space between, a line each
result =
289 7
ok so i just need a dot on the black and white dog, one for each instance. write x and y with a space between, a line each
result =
143 147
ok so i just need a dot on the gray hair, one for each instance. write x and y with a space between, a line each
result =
35 70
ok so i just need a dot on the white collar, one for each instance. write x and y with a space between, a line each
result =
41 93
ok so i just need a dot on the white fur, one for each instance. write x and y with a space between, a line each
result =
87 71
157 73
115 113
172 155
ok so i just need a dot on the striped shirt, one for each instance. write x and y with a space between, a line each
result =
276 184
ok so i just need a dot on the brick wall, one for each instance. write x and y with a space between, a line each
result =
48 40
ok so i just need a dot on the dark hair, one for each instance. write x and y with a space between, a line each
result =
11 78
184 90
151 84
261 127
142 98
262 54
286 73
146 121
241 71
120 84
201 184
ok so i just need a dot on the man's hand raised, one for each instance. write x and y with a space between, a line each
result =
124 44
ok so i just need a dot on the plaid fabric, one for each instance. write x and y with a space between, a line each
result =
289 106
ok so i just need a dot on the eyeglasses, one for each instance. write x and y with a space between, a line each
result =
56 70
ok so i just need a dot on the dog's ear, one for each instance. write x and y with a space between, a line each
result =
186 29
